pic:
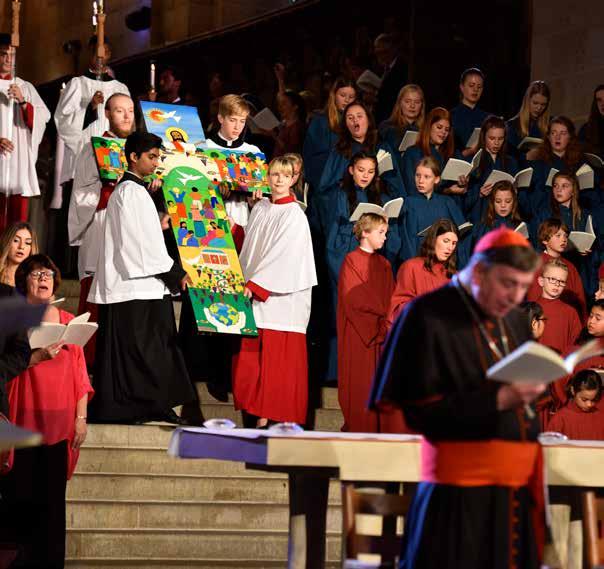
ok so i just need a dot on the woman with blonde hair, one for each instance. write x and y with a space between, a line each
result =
532 118
17 242
408 113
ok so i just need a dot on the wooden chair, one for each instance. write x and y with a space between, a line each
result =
387 545
593 529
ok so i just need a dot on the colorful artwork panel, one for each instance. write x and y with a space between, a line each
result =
110 158
177 125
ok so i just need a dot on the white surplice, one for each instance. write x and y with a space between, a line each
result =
84 222
70 113
22 160
133 249
277 255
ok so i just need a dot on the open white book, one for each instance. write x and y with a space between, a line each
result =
409 139
369 80
384 160
521 180
390 209
594 160
304 203
78 331
264 120
529 142
582 240
522 229
536 363
473 140
584 175
462 229
454 168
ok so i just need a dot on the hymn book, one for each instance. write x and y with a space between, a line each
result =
409 139
582 240
264 120
384 160
304 202
584 175
456 168
473 140
390 209
77 331
529 142
522 229
594 160
462 229
535 363
521 180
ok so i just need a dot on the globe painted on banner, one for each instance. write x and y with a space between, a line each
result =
224 313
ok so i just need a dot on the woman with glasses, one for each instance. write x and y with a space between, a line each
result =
49 397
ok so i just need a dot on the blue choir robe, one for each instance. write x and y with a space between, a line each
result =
480 229
465 120
587 265
475 205
339 242
513 137
418 213
334 171
394 136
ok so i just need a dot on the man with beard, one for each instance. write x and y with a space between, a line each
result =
88 203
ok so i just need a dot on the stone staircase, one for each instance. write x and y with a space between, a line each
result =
130 505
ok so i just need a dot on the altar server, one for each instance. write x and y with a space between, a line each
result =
270 372
18 155
140 373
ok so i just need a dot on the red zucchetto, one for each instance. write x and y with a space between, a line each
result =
500 238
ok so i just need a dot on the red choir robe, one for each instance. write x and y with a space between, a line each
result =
562 326
44 397
365 286
577 424
573 294
414 279
270 372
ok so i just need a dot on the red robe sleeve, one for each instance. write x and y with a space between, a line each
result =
260 294
404 292
27 112
238 234
365 304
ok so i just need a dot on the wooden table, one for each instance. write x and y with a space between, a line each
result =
311 458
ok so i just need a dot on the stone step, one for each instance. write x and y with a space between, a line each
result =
148 460
182 544
139 436
162 514
329 397
183 487
189 563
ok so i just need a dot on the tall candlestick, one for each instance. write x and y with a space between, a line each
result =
152 78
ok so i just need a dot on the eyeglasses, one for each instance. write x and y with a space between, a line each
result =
552 280
42 275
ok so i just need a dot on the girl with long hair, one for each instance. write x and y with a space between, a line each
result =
592 132
532 118
17 242
492 142
409 113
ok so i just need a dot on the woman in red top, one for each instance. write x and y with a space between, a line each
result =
432 269
50 397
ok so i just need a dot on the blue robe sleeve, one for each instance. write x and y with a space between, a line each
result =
408 230
318 143
409 161
339 236
393 178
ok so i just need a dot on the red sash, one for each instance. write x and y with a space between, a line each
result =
106 192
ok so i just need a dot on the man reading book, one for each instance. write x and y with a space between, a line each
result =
477 504
563 324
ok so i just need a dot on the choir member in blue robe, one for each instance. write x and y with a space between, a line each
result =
564 205
435 139
422 210
532 118
408 114
467 115
359 185
561 150
322 132
494 157
357 133
501 211
591 133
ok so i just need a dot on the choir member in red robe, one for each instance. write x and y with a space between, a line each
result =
553 235
581 417
593 329
270 372
432 269
50 397
365 286
563 325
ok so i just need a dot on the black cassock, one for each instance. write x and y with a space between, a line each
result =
433 366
